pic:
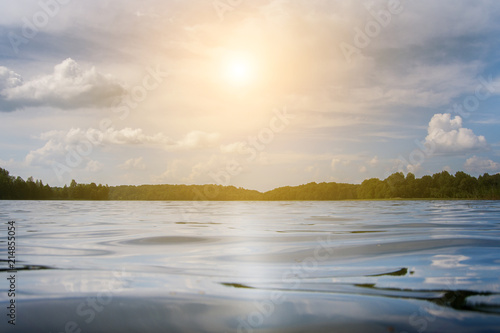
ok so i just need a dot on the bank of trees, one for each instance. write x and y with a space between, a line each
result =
16 188
77 191
182 192
313 191
441 185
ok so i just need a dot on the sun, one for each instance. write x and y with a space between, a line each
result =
240 70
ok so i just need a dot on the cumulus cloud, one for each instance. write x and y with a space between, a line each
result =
59 143
78 137
176 170
68 87
446 135
94 166
233 148
207 171
133 164
9 79
335 162
374 161
343 160
131 136
198 139
49 152
481 165
7 164
414 168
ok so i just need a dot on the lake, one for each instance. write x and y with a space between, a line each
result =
343 266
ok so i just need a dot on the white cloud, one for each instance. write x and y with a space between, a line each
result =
175 171
234 148
480 165
9 79
83 142
310 168
68 87
44 155
199 139
131 136
335 162
7 164
128 136
94 166
209 170
374 161
414 168
133 164
446 135
76 138
345 160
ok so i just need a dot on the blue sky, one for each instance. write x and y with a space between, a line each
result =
257 94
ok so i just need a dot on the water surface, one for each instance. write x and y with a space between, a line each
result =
347 266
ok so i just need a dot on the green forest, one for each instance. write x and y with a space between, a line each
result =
441 185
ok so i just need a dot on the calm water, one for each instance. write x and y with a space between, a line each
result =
351 266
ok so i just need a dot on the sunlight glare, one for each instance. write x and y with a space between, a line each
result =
240 71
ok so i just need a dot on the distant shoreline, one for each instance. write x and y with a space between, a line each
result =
396 187
257 200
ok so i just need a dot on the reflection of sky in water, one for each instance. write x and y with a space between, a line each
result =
331 260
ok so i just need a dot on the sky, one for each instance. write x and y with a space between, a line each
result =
256 94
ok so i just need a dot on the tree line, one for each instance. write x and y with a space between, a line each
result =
16 188
440 185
